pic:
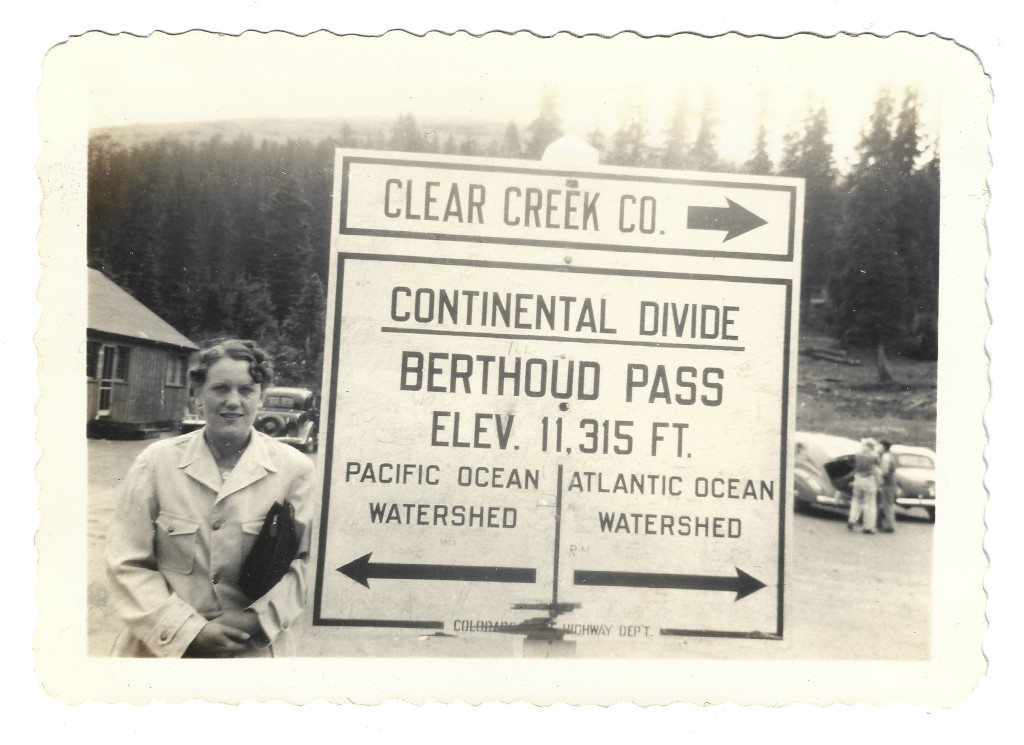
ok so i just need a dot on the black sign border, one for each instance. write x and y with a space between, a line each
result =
349 160
342 257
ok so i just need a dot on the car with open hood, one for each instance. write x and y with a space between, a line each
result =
823 473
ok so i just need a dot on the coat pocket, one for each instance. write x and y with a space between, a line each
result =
250 531
176 539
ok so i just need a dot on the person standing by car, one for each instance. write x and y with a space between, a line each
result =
189 512
887 489
864 503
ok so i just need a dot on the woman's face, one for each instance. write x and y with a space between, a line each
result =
229 400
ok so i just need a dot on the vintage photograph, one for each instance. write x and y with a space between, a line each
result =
519 348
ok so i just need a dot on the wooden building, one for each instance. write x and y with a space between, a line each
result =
136 364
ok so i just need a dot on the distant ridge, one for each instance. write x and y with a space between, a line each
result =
289 130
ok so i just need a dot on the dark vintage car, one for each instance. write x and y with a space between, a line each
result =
823 473
292 415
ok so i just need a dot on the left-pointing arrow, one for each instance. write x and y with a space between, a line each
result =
361 570
742 584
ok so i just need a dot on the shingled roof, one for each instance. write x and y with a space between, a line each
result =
114 311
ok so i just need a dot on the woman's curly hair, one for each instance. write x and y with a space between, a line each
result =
261 367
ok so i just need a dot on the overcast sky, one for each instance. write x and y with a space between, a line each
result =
598 82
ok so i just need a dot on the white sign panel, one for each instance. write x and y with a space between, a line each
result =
461 201
513 440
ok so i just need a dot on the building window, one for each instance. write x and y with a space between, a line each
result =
92 359
105 392
109 360
177 370
122 363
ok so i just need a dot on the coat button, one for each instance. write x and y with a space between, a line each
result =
218 524
170 529
216 578
164 636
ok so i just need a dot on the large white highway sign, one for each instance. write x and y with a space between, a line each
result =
561 392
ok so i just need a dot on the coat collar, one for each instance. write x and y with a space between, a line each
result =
197 461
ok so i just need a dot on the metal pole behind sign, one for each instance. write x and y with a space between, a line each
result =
543 639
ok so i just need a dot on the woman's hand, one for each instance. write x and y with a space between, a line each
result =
218 639
243 620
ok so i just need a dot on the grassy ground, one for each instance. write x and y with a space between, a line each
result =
844 399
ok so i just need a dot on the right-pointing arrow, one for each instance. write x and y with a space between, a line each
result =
742 584
735 219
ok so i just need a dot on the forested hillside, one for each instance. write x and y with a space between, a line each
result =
230 237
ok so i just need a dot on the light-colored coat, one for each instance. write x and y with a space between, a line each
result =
180 533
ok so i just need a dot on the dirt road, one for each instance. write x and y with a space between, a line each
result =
850 596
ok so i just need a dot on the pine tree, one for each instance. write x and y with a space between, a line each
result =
304 328
629 146
923 258
407 135
703 156
677 137
545 129
807 154
135 259
289 249
347 137
873 294
251 315
178 256
220 298
760 163
511 146
469 146
905 143
251 250
107 177
915 195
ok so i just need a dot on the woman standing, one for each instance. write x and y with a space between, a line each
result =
189 512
